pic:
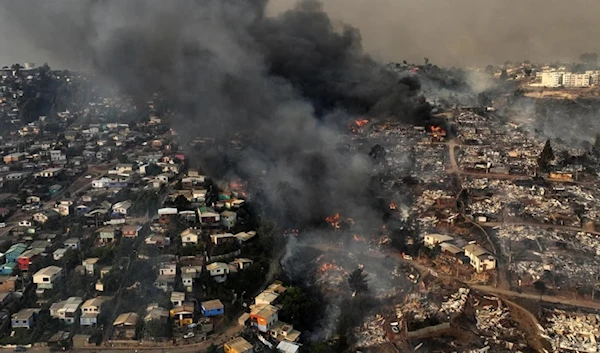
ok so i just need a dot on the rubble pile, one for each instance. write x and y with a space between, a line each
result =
573 332
371 333
429 165
427 199
494 318
456 302
419 308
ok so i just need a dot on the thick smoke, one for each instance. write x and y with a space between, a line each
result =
226 68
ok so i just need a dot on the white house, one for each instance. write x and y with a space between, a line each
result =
190 237
167 269
122 207
431 240
90 265
59 253
90 311
228 219
47 277
72 243
479 258
66 310
218 271
101 183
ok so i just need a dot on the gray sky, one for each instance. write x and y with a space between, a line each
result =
449 32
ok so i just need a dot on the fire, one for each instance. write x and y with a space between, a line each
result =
358 238
437 131
334 220
361 122
327 267
393 206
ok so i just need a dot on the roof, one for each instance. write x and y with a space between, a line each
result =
91 261
185 308
25 314
288 347
127 319
243 236
475 250
267 297
94 302
440 237
177 296
19 247
212 305
72 240
451 248
48 271
239 344
264 311
216 266
228 213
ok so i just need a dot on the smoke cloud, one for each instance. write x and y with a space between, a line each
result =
288 81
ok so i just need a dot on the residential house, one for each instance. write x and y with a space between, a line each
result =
288 347
45 216
431 240
8 268
25 223
243 237
57 156
156 313
26 259
7 284
101 183
228 219
13 253
158 240
165 215
208 216
264 317
72 243
219 239
238 345
241 263
41 245
266 297
33 199
90 311
282 331
199 196
59 254
14 157
24 318
47 277
218 271
4 212
125 326
90 265
190 237
212 308
107 235
64 209
49 173
177 298
124 168
121 208
479 258
189 274
167 269
130 231
67 310
183 315
165 283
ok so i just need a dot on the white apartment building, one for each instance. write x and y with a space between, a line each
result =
552 79
576 80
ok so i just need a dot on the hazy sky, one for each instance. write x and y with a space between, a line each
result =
449 32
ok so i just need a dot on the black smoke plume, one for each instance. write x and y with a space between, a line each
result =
286 83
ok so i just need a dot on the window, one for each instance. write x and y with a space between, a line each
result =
45 279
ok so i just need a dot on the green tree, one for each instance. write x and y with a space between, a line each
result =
546 157
123 158
596 147
156 328
212 348
358 281
299 307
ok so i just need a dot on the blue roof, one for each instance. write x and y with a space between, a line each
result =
19 247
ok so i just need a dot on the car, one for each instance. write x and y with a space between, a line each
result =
395 327
20 349
88 177
188 335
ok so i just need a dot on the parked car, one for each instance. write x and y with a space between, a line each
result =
20 349
188 335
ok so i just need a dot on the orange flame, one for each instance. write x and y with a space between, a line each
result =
334 220
437 131
327 267
393 206
361 122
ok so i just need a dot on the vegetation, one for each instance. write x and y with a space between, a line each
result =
299 308
546 157
358 281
